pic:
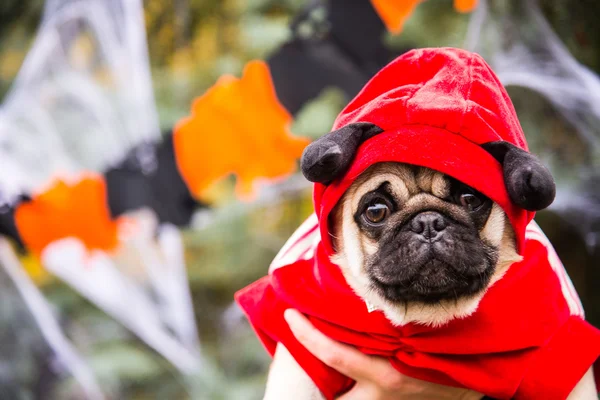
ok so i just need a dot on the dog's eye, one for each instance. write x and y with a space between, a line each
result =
470 201
376 213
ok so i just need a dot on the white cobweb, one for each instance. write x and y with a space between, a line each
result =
82 99
83 96
520 45
49 327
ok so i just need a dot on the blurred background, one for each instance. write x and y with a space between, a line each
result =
103 86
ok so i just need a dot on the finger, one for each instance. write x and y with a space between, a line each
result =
343 358
361 392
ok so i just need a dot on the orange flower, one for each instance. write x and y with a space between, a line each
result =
237 127
394 13
68 210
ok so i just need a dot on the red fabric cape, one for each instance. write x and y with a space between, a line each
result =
527 339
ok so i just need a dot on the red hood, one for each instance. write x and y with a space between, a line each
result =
436 107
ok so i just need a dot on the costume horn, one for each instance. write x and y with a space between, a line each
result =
529 183
328 157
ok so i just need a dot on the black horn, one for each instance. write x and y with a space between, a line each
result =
328 157
529 183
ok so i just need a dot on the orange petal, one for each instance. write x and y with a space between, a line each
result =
68 210
465 6
394 13
237 127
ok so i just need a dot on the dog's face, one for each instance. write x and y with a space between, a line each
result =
410 238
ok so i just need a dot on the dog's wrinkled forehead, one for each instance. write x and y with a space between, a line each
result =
411 190
404 181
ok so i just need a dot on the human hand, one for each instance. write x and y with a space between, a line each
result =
375 377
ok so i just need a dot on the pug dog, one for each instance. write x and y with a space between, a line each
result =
418 245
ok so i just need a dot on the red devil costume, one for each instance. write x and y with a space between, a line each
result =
446 110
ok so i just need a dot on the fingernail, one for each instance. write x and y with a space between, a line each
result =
292 317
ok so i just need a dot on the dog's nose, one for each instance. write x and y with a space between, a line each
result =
429 224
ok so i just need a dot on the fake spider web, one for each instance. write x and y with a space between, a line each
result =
82 99
83 96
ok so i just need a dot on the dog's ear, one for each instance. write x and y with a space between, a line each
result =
330 156
529 183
